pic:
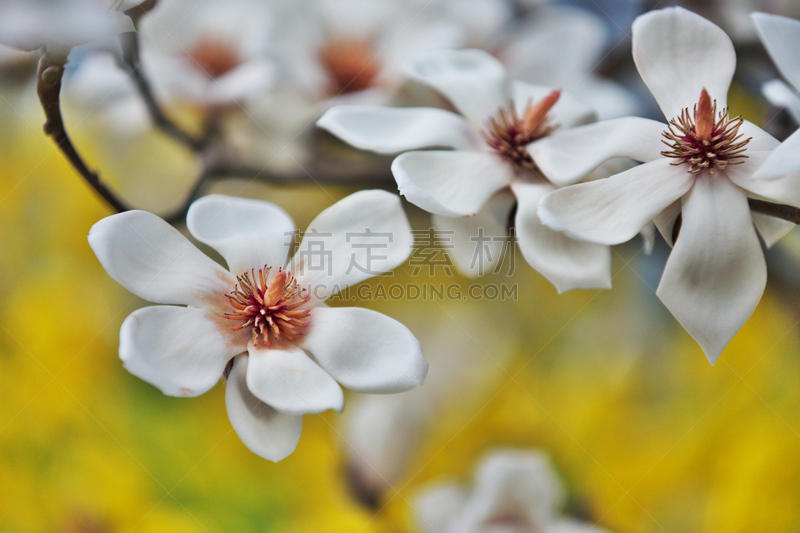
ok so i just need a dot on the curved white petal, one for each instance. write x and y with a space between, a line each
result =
567 156
515 483
265 431
566 113
450 183
180 350
761 176
247 233
390 130
678 54
716 273
760 140
614 210
437 507
608 97
771 229
779 94
474 81
781 37
358 237
785 159
666 219
364 350
566 263
477 243
581 36
284 377
154 261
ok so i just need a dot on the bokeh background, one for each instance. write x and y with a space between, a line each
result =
647 436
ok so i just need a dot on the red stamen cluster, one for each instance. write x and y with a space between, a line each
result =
214 56
508 133
271 309
709 141
351 65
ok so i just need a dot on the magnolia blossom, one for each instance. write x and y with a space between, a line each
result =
472 188
263 322
711 164
561 46
514 491
61 24
208 53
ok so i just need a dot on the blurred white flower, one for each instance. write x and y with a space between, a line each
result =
514 491
781 37
471 189
285 350
716 273
467 350
60 24
208 53
561 46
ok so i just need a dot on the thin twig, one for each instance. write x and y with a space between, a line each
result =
786 212
48 88
133 64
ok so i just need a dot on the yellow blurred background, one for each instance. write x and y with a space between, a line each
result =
646 434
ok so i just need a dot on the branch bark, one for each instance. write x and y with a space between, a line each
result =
48 88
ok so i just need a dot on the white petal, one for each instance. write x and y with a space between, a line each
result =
358 237
567 156
477 243
438 507
608 97
515 483
665 220
566 263
389 130
785 159
180 350
284 377
247 233
474 81
716 273
678 54
614 210
154 261
781 37
265 431
451 183
760 140
771 229
779 94
567 113
767 181
364 350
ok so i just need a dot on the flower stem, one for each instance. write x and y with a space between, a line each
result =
48 88
786 212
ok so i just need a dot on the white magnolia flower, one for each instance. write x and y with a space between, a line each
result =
209 53
712 164
283 348
469 188
561 46
514 491
60 24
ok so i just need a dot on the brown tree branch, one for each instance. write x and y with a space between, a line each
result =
48 88
786 212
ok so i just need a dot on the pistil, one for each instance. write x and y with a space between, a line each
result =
270 307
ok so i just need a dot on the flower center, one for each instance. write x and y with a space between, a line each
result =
214 56
508 133
351 65
270 308
710 140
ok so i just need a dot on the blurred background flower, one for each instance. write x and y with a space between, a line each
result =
646 436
